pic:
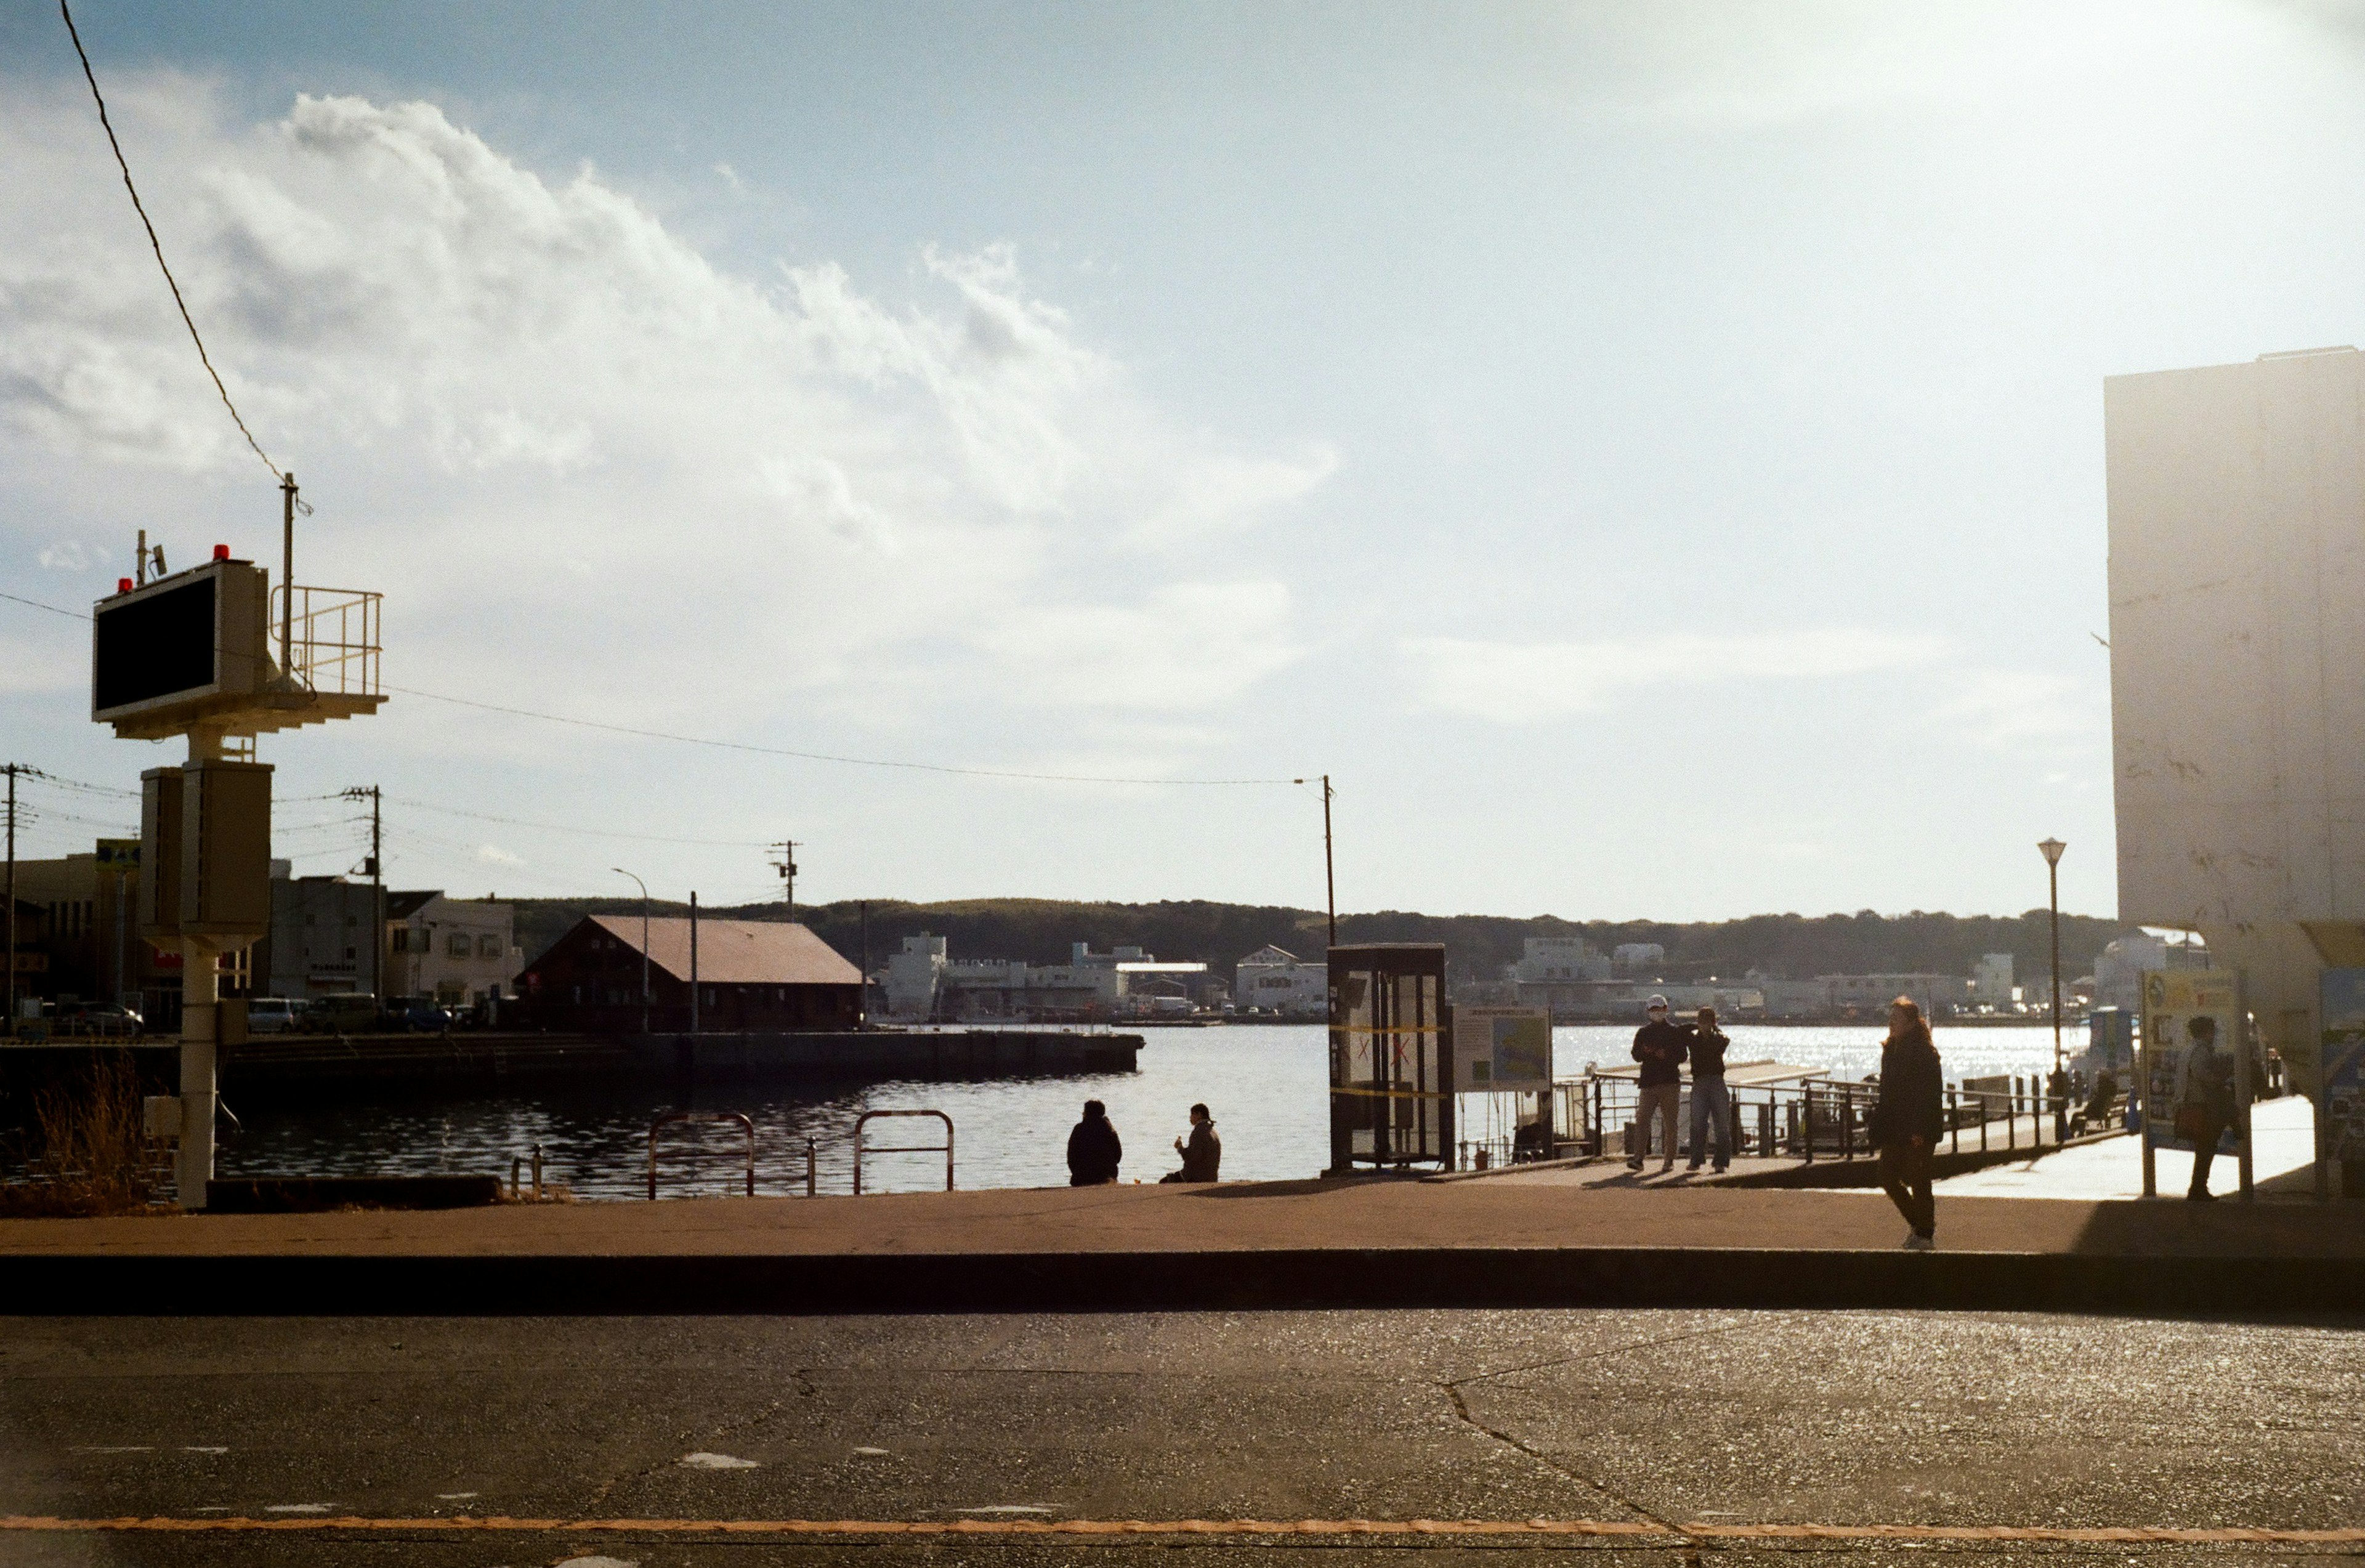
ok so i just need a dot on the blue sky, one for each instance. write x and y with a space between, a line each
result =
1650 455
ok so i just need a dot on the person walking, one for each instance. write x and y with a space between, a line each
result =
1660 1047
1907 1118
2207 1105
1711 1101
1203 1155
1093 1149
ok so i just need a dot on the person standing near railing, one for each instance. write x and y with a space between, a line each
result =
1660 1047
1907 1119
1711 1101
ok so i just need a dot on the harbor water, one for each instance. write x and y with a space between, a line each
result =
1265 1084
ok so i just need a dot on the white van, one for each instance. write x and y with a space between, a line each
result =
270 1015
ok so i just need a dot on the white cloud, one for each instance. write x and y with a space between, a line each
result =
66 555
1533 682
571 448
494 855
2023 710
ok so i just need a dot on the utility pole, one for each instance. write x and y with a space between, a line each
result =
787 866
286 574
862 1012
2051 849
693 962
11 915
1329 873
376 867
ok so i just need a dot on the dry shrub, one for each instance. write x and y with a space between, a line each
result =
87 1155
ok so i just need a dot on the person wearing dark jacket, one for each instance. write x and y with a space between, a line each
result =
2207 1107
1711 1101
1908 1118
1203 1154
1660 1047
1093 1148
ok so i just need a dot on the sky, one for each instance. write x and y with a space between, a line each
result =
1649 456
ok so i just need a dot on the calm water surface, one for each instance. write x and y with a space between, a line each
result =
1264 1082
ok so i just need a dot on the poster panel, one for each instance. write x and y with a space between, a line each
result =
1502 1050
2341 1109
2191 1028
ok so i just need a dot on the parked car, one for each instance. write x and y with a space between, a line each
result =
102 1019
353 1012
270 1015
420 1014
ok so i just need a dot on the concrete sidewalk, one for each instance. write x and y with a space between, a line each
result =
1355 1243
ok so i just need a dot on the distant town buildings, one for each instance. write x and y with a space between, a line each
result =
1275 981
924 982
2119 968
1638 955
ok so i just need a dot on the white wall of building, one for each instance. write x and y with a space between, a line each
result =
1549 959
1273 979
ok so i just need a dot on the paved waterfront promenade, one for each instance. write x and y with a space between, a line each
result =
1357 1243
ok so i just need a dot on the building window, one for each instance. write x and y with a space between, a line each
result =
457 944
488 947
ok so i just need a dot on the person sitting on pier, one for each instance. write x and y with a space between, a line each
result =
1908 1117
1093 1149
1203 1154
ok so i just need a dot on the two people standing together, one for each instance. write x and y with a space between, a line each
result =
1663 1048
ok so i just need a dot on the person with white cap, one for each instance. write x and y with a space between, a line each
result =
1661 1047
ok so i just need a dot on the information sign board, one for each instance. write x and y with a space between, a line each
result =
2190 1017
2341 1108
1502 1050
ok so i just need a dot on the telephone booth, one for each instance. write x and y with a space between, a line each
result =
1391 1057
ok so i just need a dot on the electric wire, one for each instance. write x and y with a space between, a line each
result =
752 748
158 246
588 832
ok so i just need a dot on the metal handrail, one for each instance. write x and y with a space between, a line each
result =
1813 1119
946 1149
745 1125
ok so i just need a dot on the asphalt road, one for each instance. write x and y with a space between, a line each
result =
1669 1426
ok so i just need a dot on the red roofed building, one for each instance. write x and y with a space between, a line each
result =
752 974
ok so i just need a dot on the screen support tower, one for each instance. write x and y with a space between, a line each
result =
787 867
190 654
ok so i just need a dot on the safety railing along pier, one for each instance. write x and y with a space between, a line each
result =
684 1161
1818 1118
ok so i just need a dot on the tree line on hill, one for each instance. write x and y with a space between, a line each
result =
1040 930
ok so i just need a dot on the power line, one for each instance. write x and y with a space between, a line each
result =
772 750
588 832
826 756
156 245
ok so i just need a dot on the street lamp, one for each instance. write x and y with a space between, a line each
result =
645 945
2051 849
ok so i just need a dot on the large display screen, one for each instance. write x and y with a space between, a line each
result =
153 646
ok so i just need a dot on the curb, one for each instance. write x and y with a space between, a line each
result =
1136 1282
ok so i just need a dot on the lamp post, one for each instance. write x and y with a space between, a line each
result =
2051 849
645 945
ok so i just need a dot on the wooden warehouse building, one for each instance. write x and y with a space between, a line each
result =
752 974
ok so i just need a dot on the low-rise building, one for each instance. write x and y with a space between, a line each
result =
319 940
1869 996
1991 982
912 976
459 951
1275 980
751 975
2119 968
924 982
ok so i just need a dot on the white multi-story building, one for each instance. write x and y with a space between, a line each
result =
1549 959
912 976
459 951
2119 968
1636 954
1991 984
2237 628
1274 980
924 981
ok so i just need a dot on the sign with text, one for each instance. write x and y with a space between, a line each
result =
1502 1050
2341 1108
2192 1057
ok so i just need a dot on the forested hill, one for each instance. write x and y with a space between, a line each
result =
1478 945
